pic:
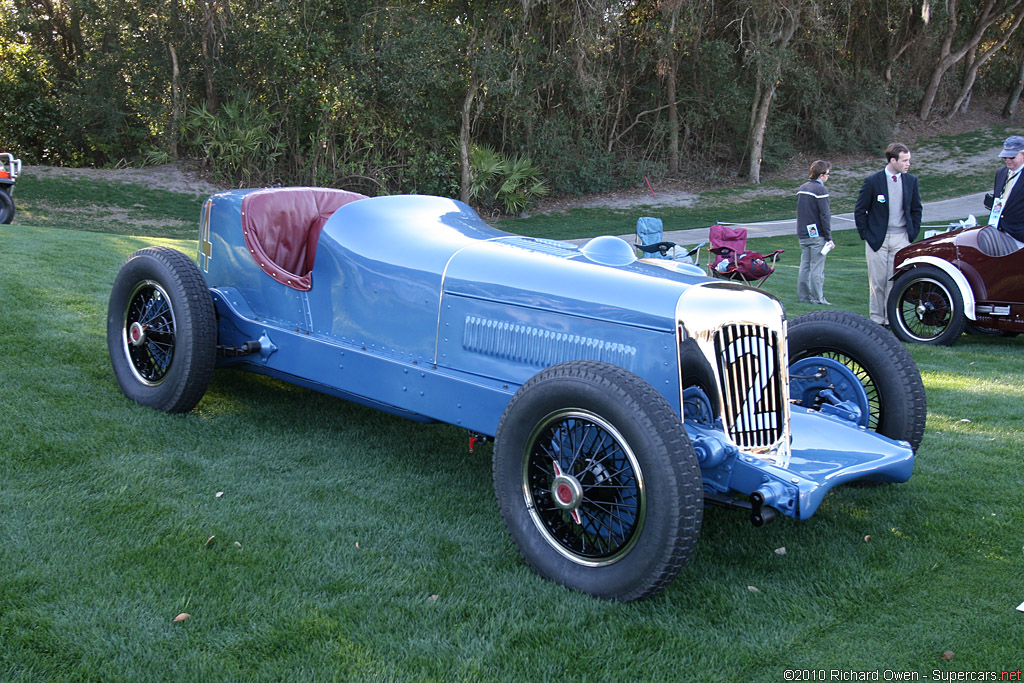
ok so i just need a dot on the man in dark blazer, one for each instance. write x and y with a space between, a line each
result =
1008 193
888 218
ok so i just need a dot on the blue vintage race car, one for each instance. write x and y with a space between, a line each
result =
622 394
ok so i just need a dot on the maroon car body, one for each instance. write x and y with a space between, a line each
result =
966 280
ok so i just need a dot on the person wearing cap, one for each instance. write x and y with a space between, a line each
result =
814 231
1008 203
888 218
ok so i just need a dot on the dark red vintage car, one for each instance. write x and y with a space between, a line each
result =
967 280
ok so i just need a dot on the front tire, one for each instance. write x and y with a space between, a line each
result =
162 330
597 481
925 307
897 407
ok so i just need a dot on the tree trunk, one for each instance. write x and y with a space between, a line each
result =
1011 102
759 124
208 49
176 104
898 42
771 36
464 135
673 123
946 60
671 65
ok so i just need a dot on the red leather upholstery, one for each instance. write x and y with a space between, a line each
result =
282 227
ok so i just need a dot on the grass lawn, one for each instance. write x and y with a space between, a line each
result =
313 539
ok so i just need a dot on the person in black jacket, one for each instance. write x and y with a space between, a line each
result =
1008 206
888 218
814 230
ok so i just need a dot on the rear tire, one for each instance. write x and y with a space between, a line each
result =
597 481
886 370
162 330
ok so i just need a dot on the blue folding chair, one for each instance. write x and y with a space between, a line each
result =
649 244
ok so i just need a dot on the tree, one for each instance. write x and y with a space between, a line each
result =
987 14
766 30
1010 108
213 18
685 23
976 60
485 27
903 27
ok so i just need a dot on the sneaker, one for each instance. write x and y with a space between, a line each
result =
823 302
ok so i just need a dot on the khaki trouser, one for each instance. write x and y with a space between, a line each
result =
880 265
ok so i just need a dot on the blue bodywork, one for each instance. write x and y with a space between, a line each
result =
418 307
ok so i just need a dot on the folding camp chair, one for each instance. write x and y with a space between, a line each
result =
729 257
649 244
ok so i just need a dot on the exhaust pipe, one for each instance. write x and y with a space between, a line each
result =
762 502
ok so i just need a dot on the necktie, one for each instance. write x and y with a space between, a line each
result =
1009 177
894 179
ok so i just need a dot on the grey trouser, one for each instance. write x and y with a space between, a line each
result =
811 279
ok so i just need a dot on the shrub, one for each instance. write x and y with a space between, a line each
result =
238 142
500 182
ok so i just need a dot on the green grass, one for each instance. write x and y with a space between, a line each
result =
105 206
370 547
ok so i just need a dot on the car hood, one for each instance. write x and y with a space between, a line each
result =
433 239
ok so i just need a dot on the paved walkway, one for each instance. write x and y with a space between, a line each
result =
936 215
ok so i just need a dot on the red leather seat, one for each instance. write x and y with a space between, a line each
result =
282 227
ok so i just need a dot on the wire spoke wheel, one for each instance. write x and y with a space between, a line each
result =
584 487
925 309
925 306
161 330
148 334
597 481
891 382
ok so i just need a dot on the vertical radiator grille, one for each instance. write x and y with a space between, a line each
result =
749 364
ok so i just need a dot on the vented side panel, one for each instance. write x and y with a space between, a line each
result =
540 348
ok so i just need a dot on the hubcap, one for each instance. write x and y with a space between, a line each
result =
137 334
812 379
566 491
